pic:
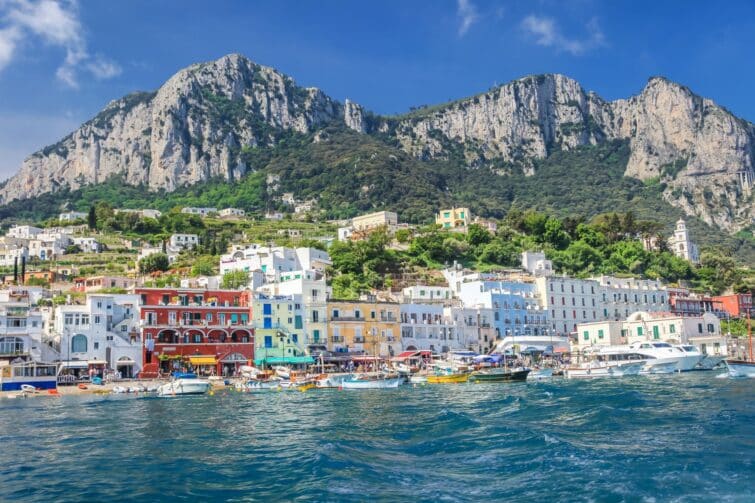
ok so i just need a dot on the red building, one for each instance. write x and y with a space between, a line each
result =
209 331
737 305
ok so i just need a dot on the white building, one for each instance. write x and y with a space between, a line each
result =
22 328
274 215
202 212
71 216
681 244
273 261
143 213
47 246
103 332
425 294
232 213
88 244
536 264
425 327
11 253
701 331
474 327
24 231
183 241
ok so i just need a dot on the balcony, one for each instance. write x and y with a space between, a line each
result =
336 338
347 318
359 339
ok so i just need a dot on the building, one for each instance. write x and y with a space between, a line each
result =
274 260
22 328
95 284
274 215
702 331
536 264
101 335
183 241
24 232
313 292
232 213
208 330
685 303
454 219
88 244
489 225
681 244
143 213
12 254
737 305
516 307
366 326
361 226
473 326
425 327
426 294
279 330
202 212
71 216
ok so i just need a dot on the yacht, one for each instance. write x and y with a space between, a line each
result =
662 354
184 386
707 362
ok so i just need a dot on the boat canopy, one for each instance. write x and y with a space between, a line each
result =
277 360
406 355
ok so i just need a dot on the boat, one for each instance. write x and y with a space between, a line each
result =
665 352
418 379
282 372
740 368
263 386
598 368
372 382
40 376
499 375
540 374
447 378
709 362
184 387
332 380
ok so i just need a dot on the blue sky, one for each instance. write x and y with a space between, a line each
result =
62 61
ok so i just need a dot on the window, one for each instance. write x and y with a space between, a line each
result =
295 338
268 341
600 333
96 345
700 328
672 329
656 333
711 328
315 316
197 338
97 320
372 315
586 335
11 345
357 314
314 294
316 336
639 331
79 344
335 313
267 309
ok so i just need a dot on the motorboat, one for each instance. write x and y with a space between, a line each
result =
740 368
184 387
709 362
665 352
282 372
597 368
447 378
499 375
332 380
253 386
418 379
372 382
540 374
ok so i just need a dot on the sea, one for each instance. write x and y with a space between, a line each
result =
679 438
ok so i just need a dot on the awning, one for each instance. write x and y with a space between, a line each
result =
366 358
169 357
97 362
406 354
75 364
292 360
202 360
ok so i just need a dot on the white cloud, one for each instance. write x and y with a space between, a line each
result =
467 13
55 23
547 33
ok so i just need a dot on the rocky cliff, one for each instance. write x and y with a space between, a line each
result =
197 125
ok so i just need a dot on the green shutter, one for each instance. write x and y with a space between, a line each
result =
586 335
600 333
639 330
297 322
656 333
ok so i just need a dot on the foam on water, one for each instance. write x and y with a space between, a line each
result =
685 438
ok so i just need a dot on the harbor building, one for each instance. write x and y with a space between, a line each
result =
210 330
22 328
425 327
736 305
272 261
473 326
278 322
368 326
102 334
516 307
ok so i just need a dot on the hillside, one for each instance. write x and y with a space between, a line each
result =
224 119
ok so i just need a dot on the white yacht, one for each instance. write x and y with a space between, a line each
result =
662 354
609 361
184 387
707 362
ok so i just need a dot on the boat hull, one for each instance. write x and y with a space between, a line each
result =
184 387
740 368
516 375
372 383
16 385
709 362
448 379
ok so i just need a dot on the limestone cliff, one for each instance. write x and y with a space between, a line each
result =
205 120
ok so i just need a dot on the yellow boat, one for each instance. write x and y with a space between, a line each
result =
448 378
306 386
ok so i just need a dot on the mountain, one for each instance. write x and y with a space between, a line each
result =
220 120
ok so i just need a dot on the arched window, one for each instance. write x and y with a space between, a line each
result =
79 344
11 345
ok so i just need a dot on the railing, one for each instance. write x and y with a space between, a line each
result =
14 353
336 338
358 340
347 318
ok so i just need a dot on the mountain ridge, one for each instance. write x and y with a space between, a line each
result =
208 119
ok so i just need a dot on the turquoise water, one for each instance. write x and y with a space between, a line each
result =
681 438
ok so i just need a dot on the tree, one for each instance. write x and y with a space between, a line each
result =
92 218
477 235
153 263
203 266
233 280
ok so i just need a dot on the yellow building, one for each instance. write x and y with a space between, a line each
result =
387 219
372 327
454 219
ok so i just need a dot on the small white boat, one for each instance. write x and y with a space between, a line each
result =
333 380
418 379
119 389
282 372
540 374
740 368
369 382
263 386
28 388
184 387
595 369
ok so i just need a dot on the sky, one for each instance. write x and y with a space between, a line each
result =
61 61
